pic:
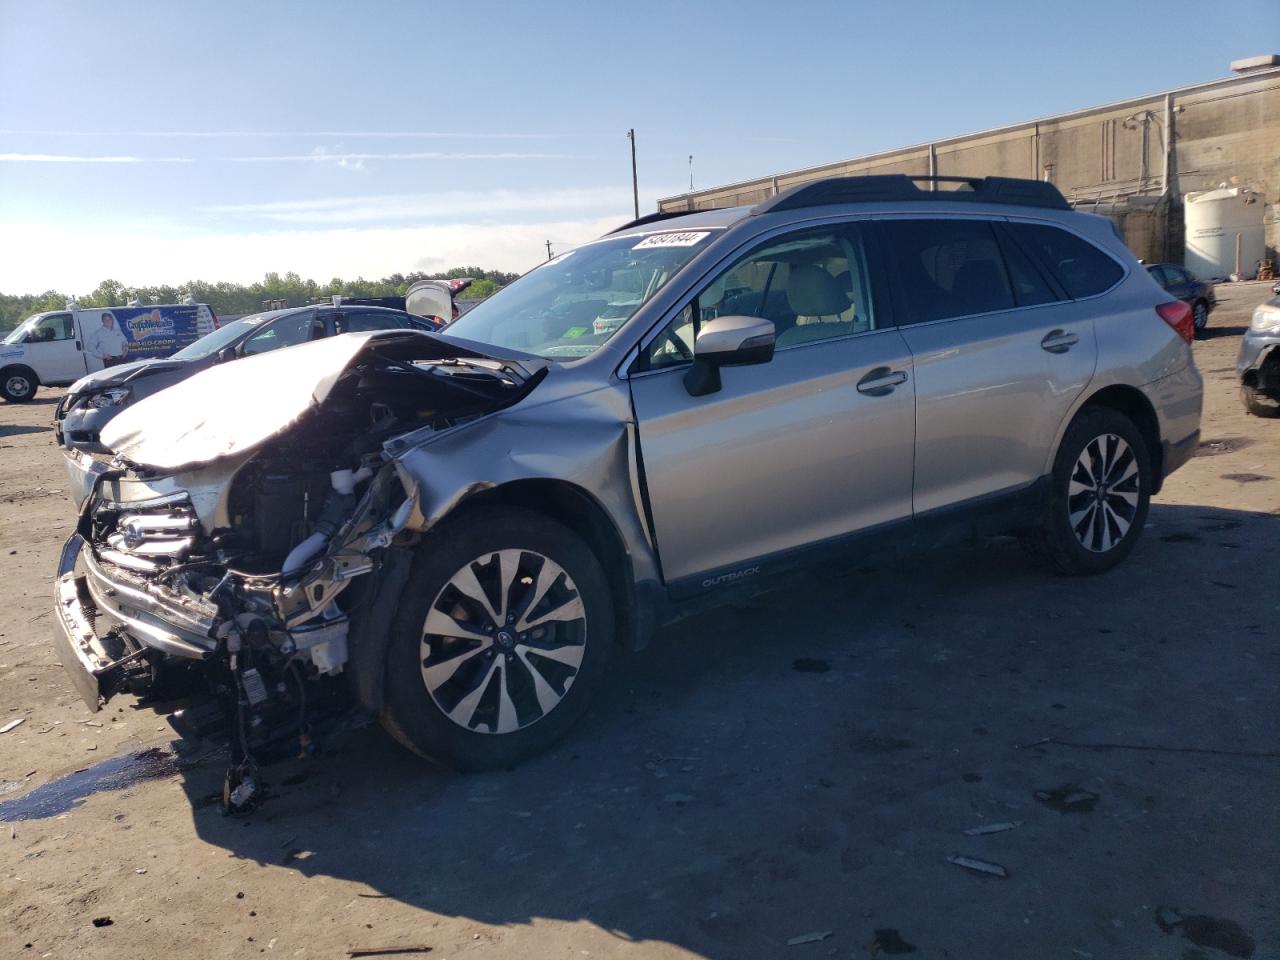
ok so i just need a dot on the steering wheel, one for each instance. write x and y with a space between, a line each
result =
677 344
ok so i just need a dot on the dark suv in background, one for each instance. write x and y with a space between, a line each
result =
92 401
1178 282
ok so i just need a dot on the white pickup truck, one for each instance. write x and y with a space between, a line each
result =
59 347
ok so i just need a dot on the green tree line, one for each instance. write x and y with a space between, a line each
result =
230 299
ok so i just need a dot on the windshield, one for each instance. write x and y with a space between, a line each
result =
224 336
568 307
19 333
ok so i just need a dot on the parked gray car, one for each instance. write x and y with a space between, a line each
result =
465 524
1259 361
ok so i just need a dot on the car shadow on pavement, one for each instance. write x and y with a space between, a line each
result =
17 430
1213 333
805 764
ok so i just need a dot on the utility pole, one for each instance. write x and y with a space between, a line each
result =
635 181
548 249
691 173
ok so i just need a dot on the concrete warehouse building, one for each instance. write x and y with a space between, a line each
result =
1134 160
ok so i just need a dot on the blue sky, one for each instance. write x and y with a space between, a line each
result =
159 142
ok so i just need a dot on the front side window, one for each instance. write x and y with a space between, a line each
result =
1081 268
814 285
569 307
947 268
57 326
286 332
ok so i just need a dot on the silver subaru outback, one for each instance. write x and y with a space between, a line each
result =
453 531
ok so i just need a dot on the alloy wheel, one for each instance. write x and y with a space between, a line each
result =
503 641
1103 493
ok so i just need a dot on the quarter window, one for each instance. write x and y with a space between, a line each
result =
947 268
814 285
1081 268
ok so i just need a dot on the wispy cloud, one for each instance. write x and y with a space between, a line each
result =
350 158
397 207
69 158
269 134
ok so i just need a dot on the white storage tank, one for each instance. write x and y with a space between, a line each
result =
1216 221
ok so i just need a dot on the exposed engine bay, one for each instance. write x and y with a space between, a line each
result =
238 577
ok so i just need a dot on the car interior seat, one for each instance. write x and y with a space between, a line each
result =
818 300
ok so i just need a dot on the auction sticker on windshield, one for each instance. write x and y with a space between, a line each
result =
672 240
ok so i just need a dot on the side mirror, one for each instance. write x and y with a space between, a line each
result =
226 353
727 342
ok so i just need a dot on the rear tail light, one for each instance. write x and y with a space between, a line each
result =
1178 315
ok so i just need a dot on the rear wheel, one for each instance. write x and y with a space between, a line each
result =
18 384
503 635
1258 403
1100 492
1200 316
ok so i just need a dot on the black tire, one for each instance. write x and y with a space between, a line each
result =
18 384
1200 316
1258 403
414 714
1056 541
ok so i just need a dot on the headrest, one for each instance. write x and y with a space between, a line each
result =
812 292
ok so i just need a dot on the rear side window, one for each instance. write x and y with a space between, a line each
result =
947 268
1081 268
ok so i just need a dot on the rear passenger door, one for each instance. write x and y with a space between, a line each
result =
999 353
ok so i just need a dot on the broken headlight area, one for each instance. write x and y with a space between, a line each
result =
240 577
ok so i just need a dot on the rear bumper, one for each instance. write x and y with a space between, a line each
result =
104 621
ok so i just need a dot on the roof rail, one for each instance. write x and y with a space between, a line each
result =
652 218
899 187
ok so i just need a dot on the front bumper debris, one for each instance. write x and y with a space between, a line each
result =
93 610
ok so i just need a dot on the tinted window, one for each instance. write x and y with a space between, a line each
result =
1080 267
1030 286
947 268
370 320
814 285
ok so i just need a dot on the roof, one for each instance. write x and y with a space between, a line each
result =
682 220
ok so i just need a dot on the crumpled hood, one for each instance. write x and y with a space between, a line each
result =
121 373
229 409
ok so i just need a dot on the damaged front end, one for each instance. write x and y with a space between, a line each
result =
244 524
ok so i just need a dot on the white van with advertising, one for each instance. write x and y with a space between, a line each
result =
59 347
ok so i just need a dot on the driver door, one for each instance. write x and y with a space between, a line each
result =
55 350
812 446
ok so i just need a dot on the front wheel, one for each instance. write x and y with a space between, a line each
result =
1100 492
503 634
17 384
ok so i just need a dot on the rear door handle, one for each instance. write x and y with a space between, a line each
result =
880 381
1059 341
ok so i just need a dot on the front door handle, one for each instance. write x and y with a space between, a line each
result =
1059 341
880 381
